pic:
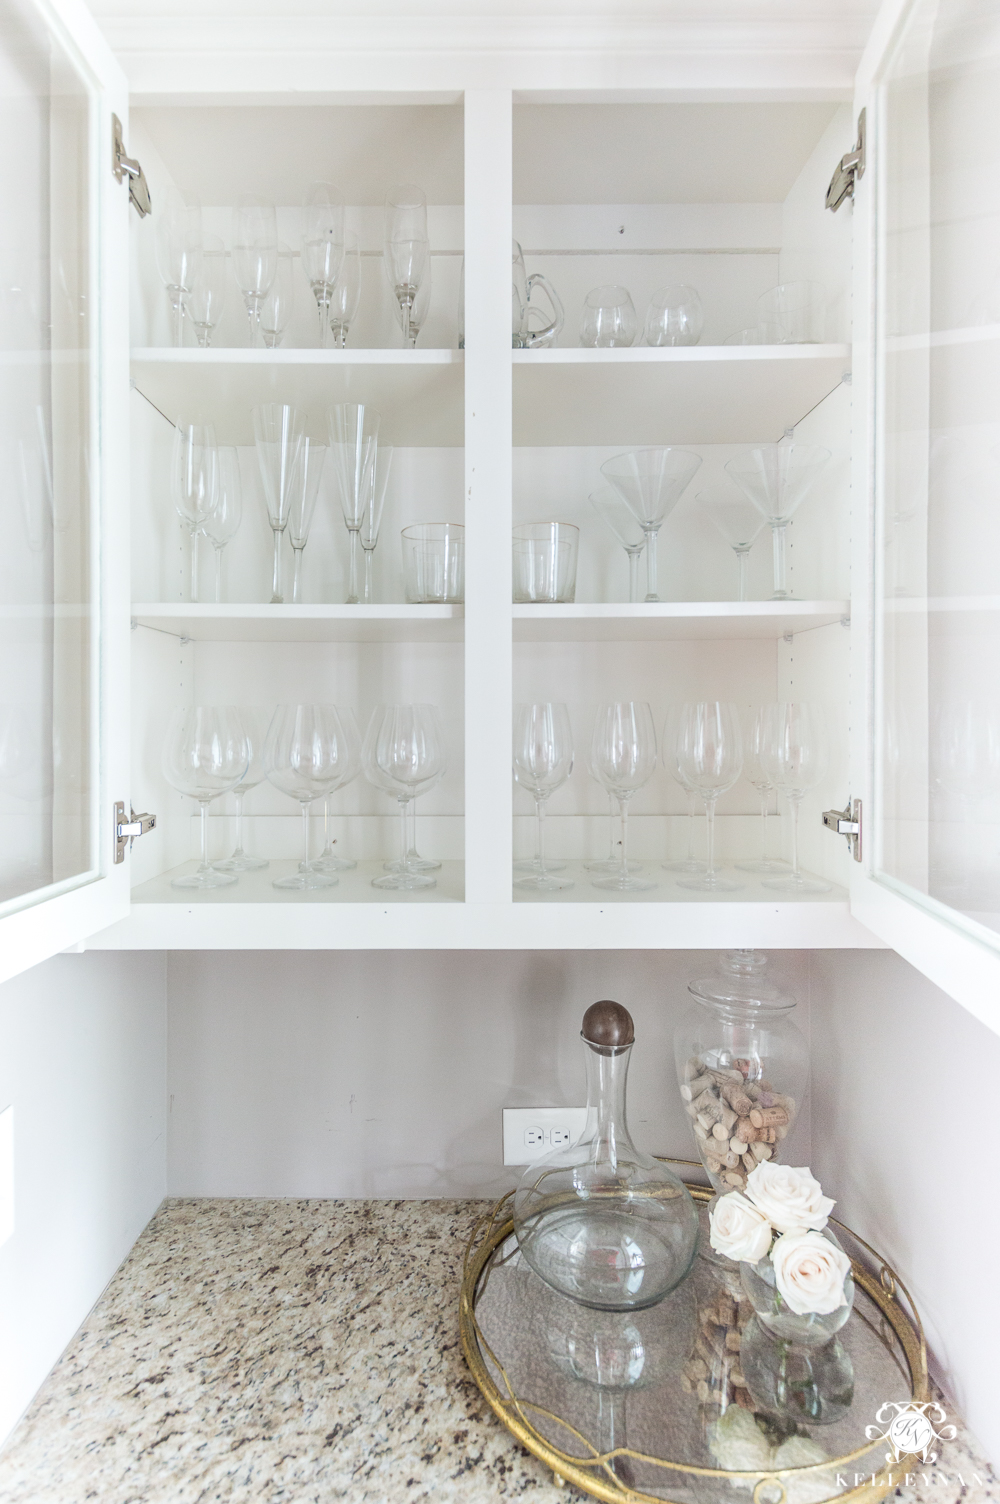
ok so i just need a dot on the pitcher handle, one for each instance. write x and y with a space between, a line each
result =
552 330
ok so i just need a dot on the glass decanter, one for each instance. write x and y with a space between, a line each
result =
600 1221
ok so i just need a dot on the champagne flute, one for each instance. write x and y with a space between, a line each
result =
345 295
322 247
371 519
623 753
709 754
194 479
407 250
304 491
178 253
255 723
208 292
255 254
224 516
403 753
353 432
543 760
205 755
308 753
279 432
793 754
276 306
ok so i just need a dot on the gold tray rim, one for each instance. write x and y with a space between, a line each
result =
495 1227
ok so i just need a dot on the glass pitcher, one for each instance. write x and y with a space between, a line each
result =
523 336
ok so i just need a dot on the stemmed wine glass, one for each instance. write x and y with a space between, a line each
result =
651 482
255 254
753 771
622 524
194 481
414 861
276 306
328 860
776 478
205 755
178 253
307 754
371 519
226 513
543 760
304 489
739 522
688 863
709 754
404 755
609 863
208 293
278 433
407 250
255 723
323 247
793 754
345 296
623 754
353 446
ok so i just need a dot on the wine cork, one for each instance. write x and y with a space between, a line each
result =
752 1090
735 1179
768 1117
723 1074
737 1098
709 1106
733 1339
745 1130
748 1161
761 1151
693 1069
720 1131
692 1089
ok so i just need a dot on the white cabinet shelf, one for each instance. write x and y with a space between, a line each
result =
261 623
712 394
673 621
420 393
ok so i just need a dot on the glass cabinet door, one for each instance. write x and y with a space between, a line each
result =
64 440
933 818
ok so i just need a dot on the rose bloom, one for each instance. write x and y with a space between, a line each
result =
738 1229
809 1272
790 1199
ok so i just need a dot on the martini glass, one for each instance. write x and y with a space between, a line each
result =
622 524
651 482
738 520
776 478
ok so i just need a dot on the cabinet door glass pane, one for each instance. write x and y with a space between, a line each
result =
47 646
938 464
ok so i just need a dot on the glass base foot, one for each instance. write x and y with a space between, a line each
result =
414 864
794 882
305 878
544 882
610 865
763 864
623 882
205 877
404 882
333 864
240 862
685 866
532 865
709 882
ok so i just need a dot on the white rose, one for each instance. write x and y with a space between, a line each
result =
738 1229
809 1272
790 1199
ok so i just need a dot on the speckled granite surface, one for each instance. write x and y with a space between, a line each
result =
281 1351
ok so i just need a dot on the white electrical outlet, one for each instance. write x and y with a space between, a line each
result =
530 1132
6 1173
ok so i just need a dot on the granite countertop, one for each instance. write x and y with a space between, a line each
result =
306 1351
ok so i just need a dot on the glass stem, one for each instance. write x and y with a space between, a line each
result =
540 815
297 576
613 823
710 836
413 830
194 564
323 309
204 836
633 574
327 838
691 818
778 539
741 554
305 837
405 307
352 584
277 599
763 825
623 864
404 865
794 810
651 579
177 321
369 561
238 796
218 576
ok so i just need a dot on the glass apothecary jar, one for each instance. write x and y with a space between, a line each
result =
742 1066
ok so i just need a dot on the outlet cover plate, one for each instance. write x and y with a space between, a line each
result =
530 1132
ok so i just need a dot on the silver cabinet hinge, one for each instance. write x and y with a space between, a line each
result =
124 166
127 830
847 823
849 170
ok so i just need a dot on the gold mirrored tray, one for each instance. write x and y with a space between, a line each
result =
643 1406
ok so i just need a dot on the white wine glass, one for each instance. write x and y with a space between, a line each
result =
793 754
306 477
623 755
651 482
329 860
255 722
406 248
178 253
279 300
205 755
223 518
610 863
255 254
709 754
739 522
322 247
194 480
345 295
689 862
543 760
756 733
353 430
371 519
207 299
623 525
307 754
279 432
404 753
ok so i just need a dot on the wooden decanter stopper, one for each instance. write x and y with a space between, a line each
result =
608 1026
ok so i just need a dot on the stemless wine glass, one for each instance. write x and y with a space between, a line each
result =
407 250
776 478
277 304
307 754
304 491
226 513
322 247
791 314
622 523
623 755
739 522
278 431
674 317
709 754
194 479
255 254
178 253
608 319
208 292
371 518
328 860
434 563
543 760
688 863
255 723
544 561
793 754
205 755
345 295
404 755
755 734
353 432
651 482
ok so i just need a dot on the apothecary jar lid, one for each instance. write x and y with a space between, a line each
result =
740 983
